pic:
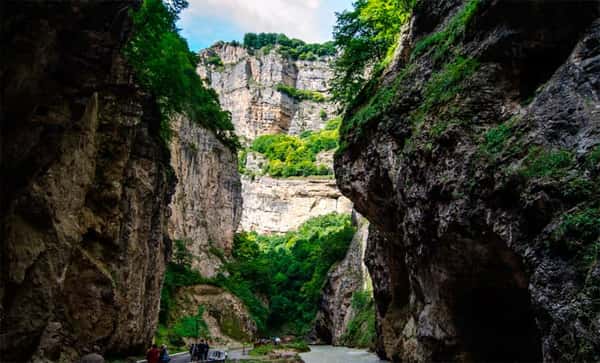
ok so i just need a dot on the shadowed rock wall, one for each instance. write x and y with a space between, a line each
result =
85 186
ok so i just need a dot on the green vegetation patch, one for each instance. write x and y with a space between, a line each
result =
301 94
547 163
291 269
593 158
214 60
367 36
165 67
298 346
361 332
579 235
442 87
185 327
443 40
242 160
290 155
445 85
291 48
178 274
372 110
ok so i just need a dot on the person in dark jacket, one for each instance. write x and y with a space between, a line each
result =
164 355
204 350
195 351
153 354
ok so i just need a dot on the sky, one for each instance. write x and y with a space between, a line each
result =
205 22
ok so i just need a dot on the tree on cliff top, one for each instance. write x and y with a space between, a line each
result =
367 37
166 67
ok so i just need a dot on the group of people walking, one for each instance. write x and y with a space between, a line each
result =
199 351
155 355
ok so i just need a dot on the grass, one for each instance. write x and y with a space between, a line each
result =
297 346
445 85
541 163
301 94
374 108
496 140
443 40
360 331
579 235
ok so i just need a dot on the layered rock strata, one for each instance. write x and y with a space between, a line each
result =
280 205
247 87
474 251
85 187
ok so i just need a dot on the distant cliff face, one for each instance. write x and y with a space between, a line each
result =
247 87
207 204
480 179
281 205
85 187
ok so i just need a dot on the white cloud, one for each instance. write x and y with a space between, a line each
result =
304 19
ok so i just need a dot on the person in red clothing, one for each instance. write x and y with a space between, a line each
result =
153 354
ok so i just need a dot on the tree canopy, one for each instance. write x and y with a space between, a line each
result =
165 66
293 48
365 36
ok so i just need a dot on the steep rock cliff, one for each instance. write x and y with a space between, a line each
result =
281 205
343 280
85 187
247 87
480 180
207 205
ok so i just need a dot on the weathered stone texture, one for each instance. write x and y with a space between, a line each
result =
462 249
85 187
207 204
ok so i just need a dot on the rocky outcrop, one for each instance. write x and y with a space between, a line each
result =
227 318
282 205
247 87
207 205
85 187
343 280
481 246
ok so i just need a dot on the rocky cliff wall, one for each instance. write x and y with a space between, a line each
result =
343 280
482 246
281 205
247 87
207 205
85 187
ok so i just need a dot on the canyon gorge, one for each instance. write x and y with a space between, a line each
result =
450 212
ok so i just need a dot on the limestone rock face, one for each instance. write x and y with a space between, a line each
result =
343 280
85 187
468 217
207 205
227 317
281 205
247 87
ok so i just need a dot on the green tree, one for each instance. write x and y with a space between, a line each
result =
165 66
365 36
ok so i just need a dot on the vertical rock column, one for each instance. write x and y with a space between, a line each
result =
85 187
